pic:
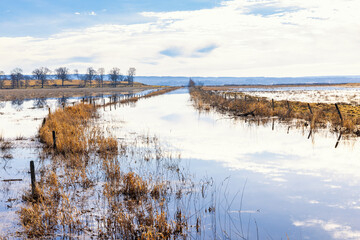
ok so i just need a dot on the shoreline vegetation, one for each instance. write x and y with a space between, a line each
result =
84 190
59 92
342 118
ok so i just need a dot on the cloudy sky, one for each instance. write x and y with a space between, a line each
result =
184 38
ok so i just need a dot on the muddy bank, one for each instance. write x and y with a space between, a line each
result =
12 94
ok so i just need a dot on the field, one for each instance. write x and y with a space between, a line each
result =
58 92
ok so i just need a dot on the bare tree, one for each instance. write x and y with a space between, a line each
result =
78 77
41 74
2 79
131 76
90 75
26 81
100 76
62 73
114 75
16 76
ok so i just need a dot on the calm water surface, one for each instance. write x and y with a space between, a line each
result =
295 186
291 185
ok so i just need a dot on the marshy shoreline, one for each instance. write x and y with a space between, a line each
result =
15 94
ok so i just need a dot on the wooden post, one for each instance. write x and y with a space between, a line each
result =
288 105
54 139
338 140
43 122
33 180
310 133
338 110
310 108
272 104
49 111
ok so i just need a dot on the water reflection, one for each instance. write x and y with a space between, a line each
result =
62 101
17 104
297 182
40 102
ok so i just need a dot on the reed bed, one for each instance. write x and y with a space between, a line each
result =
317 115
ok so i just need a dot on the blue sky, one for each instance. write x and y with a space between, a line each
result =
44 17
236 38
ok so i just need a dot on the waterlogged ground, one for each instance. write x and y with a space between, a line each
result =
328 94
295 186
267 180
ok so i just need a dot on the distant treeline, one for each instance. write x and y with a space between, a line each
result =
44 76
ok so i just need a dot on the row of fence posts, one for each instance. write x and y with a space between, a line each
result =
224 95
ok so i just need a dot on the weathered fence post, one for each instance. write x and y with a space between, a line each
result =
272 104
310 108
338 140
33 180
49 111
338 110
289 109
54 139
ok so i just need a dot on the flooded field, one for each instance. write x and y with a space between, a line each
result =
230 178
308 94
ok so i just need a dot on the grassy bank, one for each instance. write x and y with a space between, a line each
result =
343 118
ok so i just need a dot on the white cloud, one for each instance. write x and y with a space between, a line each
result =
253 38
77 13
337 231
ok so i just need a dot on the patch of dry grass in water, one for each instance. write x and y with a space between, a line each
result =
134 206
74 134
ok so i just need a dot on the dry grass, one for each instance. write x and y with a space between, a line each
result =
135 98
74 134
240 104
161 91
5 145
84 164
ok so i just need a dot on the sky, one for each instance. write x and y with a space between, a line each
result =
233 38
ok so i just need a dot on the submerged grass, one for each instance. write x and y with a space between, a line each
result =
83 190
317 115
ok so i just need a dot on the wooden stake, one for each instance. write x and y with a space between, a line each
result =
33 180
338 110
54 139
310 109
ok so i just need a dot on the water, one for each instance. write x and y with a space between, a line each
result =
208 81
301 187
291 185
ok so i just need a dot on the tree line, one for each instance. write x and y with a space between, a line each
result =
44 75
